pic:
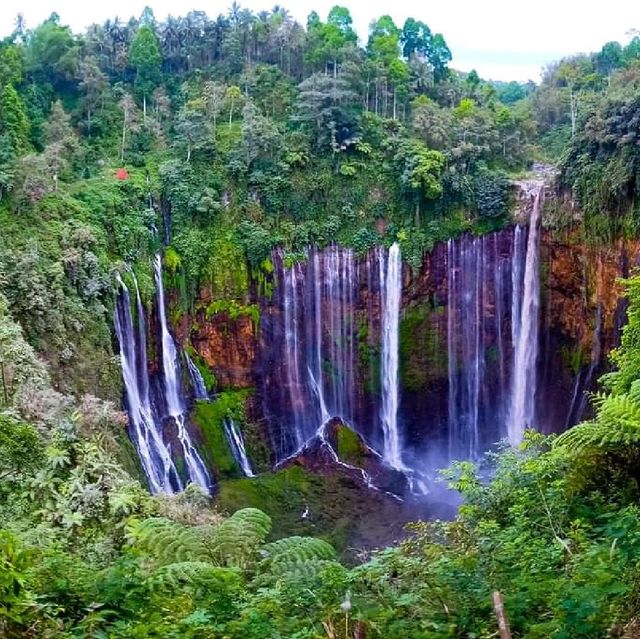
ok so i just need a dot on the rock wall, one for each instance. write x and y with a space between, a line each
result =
582 313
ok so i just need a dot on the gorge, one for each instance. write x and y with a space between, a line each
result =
428 366
310 331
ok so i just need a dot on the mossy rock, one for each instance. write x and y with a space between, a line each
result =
209 417
423 354
348 445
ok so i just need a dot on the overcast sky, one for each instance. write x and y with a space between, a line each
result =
501 39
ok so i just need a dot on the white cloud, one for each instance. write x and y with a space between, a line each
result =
501 39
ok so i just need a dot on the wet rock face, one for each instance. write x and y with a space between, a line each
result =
340 449
229 348
579 279
581 314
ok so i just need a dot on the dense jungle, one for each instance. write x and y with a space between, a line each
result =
306 334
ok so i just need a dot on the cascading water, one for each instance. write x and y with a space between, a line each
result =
318 357
175 406
236 442
334 331
144 426
198 385
522 410
391 287
478 270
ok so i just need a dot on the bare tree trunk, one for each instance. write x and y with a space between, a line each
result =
124 134
503 624
144 107
4 384
574 112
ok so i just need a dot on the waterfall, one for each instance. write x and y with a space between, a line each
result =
465 344
318 356
525 333
484 283
236 443
144 426
391 288
175 406
197 382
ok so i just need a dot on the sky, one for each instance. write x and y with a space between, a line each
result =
501 39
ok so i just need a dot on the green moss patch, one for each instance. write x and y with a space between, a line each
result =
349 446
210 416
423 356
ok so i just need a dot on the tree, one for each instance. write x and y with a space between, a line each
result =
233 96
260 136
213 95
324 105
13 118
93 84
51 56
10 65
192 127
420 172
609 58
440 56
145 56
60 139
129 120
416 39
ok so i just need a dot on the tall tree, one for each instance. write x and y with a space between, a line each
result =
145 56
13 118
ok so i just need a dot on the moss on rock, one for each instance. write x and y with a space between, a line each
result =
209 417
423 356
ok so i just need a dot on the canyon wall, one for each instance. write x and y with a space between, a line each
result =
317 344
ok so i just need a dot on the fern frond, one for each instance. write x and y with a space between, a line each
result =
193 575
236 540
617 424
297 549
168 542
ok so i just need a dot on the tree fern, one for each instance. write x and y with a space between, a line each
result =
617 423
297 549
168 542
295 559
194 575
236 540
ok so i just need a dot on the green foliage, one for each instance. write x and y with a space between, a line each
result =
13 119
15 600
145 56
234 310
254 133
21 448
236 541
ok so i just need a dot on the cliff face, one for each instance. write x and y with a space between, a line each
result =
580 317
581 279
